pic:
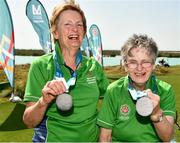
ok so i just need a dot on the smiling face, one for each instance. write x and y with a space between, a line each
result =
139 66
70 31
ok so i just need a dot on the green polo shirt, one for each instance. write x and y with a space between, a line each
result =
78 124
118 111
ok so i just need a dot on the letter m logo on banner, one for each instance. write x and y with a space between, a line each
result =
36 11
38 17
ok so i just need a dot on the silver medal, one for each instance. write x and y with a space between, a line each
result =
144 106
64 102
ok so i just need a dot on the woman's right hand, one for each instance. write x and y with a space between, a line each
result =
35 111
52 89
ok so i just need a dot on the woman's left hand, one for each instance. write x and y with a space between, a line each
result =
155 100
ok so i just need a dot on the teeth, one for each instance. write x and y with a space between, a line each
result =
138 74
73 37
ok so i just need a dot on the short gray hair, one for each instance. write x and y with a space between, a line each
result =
139 41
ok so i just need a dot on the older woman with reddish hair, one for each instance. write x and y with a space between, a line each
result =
63 87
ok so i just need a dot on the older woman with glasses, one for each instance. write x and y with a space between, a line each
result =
138 107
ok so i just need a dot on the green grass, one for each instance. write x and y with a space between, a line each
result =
5 110
12 128
16 136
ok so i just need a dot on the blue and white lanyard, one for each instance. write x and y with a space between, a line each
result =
59 73
137 93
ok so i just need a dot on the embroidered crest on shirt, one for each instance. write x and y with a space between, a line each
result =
91 80
124 112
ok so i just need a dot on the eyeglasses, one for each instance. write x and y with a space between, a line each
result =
133 65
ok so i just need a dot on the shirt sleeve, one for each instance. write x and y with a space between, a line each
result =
37 78
107 114
167 100
101 79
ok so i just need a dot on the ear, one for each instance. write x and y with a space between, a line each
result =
125 68
154 66
56 34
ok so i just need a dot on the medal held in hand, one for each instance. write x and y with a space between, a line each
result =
64 102
144 105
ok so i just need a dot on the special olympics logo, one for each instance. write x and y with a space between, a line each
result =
125 110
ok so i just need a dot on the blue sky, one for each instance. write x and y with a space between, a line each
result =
117 20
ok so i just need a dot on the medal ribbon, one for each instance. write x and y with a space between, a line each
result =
137 93
59 73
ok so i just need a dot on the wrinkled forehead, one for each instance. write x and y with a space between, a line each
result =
139 54
67 14
134 51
